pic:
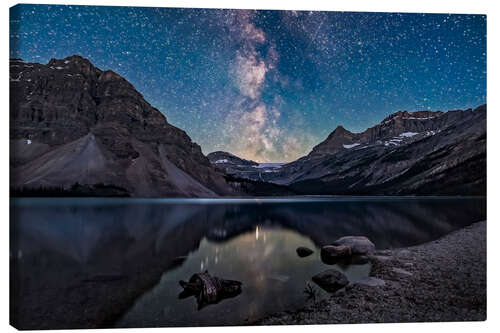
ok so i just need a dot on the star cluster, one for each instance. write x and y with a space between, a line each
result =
268 85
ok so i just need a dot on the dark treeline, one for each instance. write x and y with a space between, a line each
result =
258 188
76 190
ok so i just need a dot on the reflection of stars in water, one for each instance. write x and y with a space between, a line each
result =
268 85
204 264
258 233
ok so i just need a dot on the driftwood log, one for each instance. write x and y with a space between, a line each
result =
209 289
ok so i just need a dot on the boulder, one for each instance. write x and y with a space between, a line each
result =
330 280
358 244
304 251
336 251
359 259
331 254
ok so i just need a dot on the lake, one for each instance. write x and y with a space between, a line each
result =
107 262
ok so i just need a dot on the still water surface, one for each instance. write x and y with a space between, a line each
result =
133 252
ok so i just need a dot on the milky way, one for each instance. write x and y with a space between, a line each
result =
268 85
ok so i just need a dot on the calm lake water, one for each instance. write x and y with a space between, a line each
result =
93 262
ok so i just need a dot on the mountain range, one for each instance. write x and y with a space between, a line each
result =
418 153
75 126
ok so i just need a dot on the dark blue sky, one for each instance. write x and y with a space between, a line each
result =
268 85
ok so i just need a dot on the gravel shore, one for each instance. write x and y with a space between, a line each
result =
444 280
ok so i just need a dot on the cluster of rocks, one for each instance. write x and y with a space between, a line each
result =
443 280
349 249
210 289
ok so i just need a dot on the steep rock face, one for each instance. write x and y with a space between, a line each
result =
72 122
446 156
391 127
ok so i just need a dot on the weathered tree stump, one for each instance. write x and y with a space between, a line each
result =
209 289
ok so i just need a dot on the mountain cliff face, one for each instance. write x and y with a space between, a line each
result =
225 158
397 127
419 153
71 122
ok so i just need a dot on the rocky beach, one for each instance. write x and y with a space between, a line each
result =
444 280
81 275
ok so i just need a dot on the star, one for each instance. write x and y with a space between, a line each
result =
268 85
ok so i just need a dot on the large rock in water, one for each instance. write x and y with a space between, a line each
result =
357 244
330 280
304 251
71 122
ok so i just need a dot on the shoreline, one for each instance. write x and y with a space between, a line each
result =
443 280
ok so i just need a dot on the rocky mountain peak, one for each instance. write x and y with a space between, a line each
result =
225 158
109 75
70 103
339 130
396 129
412 153
74 64
335 141
395 115
72 61
417 115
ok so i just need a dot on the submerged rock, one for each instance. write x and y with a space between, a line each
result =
330 280
358 244
304 251
209 289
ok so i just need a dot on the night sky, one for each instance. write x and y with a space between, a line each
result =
268 85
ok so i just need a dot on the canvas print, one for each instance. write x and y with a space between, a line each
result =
210 167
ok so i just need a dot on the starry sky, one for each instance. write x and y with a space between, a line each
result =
268 85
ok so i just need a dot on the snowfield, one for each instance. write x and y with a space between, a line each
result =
351 145
269 165
408 134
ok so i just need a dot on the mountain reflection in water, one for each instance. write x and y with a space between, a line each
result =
79 263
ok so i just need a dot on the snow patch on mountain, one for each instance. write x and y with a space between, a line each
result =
351 145
269 165
408 134
422 118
